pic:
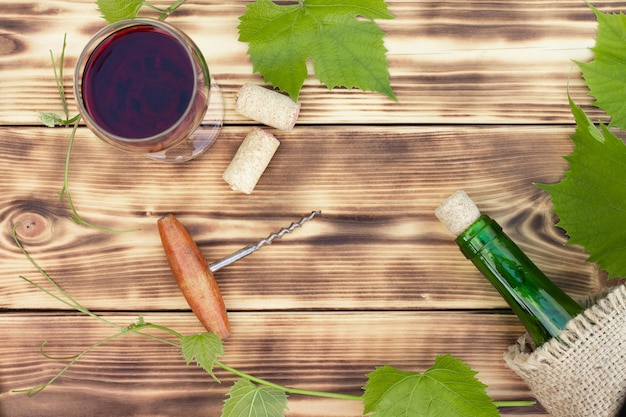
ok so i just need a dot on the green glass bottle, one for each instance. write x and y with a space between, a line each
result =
543 307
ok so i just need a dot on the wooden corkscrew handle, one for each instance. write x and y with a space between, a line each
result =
194 278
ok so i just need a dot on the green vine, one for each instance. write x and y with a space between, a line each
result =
52 120
200 352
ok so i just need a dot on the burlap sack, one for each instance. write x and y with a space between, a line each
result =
584 373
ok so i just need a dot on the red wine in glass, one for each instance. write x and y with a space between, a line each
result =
143 86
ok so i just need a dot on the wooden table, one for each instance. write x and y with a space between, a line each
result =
482 89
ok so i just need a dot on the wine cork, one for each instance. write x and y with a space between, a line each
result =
251 160
267 106
457 212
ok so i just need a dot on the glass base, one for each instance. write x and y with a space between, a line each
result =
203 137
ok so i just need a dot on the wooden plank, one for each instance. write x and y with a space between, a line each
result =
374 280
452 62
329 352
376 246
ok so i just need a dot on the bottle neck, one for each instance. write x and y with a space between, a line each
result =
543 308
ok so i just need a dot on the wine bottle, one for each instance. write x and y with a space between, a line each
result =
542 306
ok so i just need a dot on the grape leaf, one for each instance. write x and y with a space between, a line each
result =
205 348
114 10
247 399
449 388
50 119
591 199
347 51
605 75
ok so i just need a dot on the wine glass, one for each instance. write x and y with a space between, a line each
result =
142 85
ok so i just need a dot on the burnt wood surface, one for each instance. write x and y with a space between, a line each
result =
376 279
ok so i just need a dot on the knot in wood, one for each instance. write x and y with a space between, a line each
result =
7 45
32 227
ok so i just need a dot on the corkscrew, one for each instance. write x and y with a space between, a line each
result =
195 277
217 265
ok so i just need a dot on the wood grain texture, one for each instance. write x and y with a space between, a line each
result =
377 244
330 351
376 279
451 62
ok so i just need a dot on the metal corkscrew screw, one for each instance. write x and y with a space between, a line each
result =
217 265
